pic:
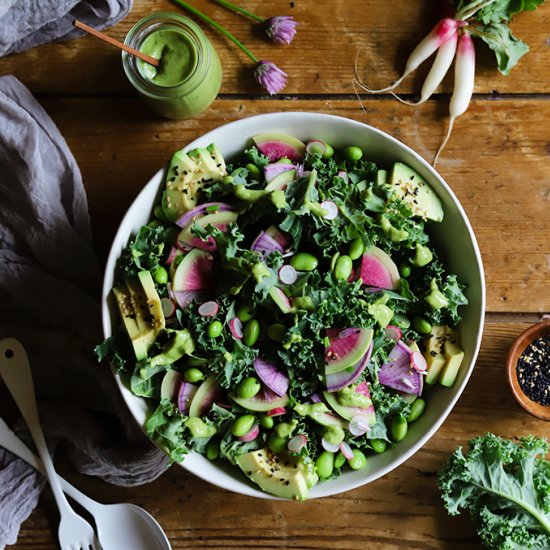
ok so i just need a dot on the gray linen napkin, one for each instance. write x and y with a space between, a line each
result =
28 23
49 288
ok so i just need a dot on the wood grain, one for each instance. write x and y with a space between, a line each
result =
496 162
401 510
320 60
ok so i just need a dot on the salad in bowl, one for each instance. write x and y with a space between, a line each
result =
286 312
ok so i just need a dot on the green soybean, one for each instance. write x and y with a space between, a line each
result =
154 223
275 443
242 425
378 445
405 270
417 408
248 388
333 260
359 460
316 147
253 170
160 275
245 312
276 332
228 179
304 261
422 325
353 153
329 151
356 249
399 428
401 320
343 268
213 449
324 465
284 160
340 460
158 212
251 332
267 422
215 328
193 375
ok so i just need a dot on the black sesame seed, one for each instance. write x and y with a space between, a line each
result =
533 370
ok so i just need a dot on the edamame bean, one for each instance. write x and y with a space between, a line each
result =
324 465
304 261
160 275
356 249
284 160
422 325
417 408
275 443
154 223
242 425
329 151
343 268
404 270
333 260
353 153
253 170
215 328
399 428
401 320
316 147
213 449
193 375
340 460
248 388
378 445
228 179
359 460
251 332
158 212
245 312
276 332
267 422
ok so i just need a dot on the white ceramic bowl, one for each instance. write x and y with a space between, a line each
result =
454 240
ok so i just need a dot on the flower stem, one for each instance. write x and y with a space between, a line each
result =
227 4
218 27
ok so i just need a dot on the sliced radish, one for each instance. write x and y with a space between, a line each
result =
344 175
271 171
208 309
408 383
236 328
277 411
315 398
287 275
346 450
330 447
185 297
331 208
393 332
297 443
251 435
359 425
266 244
168 307
272 376
344 378
186 393
174 251
418 362
316 147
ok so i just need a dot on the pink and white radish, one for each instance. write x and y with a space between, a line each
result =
287 274
346 450
465 64
236 328
208 309
297 443
251 435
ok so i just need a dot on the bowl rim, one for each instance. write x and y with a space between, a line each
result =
272 119
519 345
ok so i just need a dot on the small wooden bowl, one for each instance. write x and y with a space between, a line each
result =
522 341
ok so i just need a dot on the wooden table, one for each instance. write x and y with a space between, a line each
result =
498 163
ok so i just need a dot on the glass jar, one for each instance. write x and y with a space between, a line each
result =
190 75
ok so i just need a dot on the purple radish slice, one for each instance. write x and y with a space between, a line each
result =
202 210
264 401
265 244
281 299
345 351
379 270
251 435
346 450
299 170
186 394
195 272
359 425
276 145
220 220
398 374
186 297
277 411
418 362
316 147
272 376
208 309
393 332
174 251
404 347
287 275
315 398
236 328
271 171
343 175
331 208
297 443
207 393
344 378
274 232
330 447
168 307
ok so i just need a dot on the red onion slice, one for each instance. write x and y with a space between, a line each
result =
185 395
201 210
208 309
266 244
287 275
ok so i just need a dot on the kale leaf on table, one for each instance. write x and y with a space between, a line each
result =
505 486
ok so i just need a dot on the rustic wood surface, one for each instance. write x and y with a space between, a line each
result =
497 162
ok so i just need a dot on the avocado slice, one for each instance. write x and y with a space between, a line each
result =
180 194
280 475
152 300
434 353
453 358
381 177
410 187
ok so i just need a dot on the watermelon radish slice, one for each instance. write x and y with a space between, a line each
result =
346 450
236 328
273 170
265 244
274 232
347 347
170 385
201 210
297 443
279 411
186 394
282 181
272 376
219 219
344 378
195 272
208 392
185 297
398 374
264 401
208 309
276 145
379 270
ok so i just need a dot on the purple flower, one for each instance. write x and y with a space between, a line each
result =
270 77
281 28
